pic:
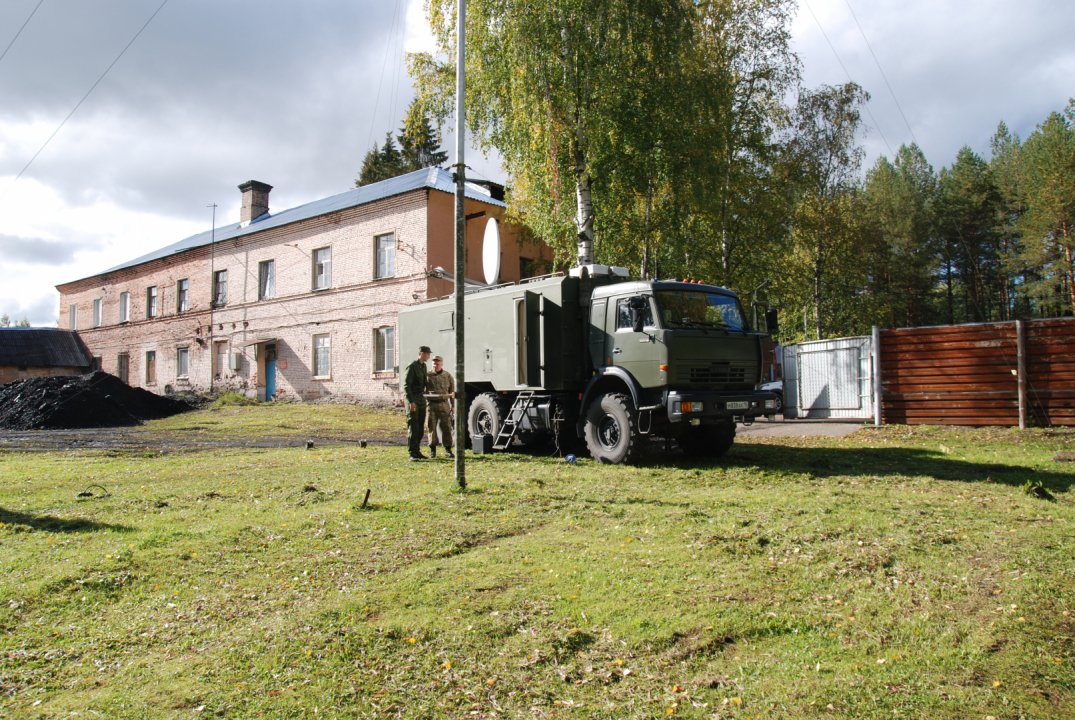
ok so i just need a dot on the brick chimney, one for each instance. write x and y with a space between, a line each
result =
255 200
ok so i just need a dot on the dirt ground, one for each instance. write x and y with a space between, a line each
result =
144 438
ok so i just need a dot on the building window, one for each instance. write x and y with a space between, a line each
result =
151 367
386 256
322 359
528 268
97 312
124 307
385 359
220 288
266 279
72 316
182 295
221 356
182 361
123 367
322 268
97 363
151 301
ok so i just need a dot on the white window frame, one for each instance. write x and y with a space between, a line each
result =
152 304
124 307
326 267
182 295
327 347
266 279
389 271
151 362
98 306
72 316
384 349
182 351
220 280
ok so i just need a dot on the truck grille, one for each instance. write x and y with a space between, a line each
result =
718 373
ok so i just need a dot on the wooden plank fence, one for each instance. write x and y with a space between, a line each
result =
975 374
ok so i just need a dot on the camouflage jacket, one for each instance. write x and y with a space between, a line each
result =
441 383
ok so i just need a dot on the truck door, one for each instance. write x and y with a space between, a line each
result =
528 340
641 353
597 332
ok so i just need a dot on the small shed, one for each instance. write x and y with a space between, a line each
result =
41 352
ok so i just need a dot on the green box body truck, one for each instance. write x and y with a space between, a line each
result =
603 358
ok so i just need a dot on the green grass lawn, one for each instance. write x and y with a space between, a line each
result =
900 572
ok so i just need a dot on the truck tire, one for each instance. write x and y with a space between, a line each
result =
611 429
486 415
708 441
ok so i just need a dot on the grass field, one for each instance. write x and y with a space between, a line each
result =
900 572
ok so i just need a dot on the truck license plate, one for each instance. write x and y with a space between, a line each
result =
740 405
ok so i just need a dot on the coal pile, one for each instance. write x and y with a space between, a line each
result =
87 401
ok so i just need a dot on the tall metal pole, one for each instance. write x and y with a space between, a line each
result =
460 245
878 384
212 295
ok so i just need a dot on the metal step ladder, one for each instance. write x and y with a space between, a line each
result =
511 424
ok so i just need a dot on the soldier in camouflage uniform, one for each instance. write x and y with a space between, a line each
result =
414 387
440 382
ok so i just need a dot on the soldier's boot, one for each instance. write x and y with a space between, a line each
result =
432 451
448 452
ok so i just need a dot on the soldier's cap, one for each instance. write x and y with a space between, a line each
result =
425 349
438 358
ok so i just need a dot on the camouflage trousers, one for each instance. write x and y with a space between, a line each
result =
440 418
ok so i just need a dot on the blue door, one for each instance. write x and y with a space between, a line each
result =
270 378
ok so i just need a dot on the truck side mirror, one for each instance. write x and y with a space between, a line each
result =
771 322
637 305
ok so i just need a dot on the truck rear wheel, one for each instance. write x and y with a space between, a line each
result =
611 429
709 441
486 415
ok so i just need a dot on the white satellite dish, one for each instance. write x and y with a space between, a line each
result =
491 252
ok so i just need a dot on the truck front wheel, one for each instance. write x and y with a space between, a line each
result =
612 429
710 441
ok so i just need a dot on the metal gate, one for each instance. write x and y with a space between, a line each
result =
829 379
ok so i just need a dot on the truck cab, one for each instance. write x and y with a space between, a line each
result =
686 357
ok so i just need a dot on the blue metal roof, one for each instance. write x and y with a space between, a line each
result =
434 178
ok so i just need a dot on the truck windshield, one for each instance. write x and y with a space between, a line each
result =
691 308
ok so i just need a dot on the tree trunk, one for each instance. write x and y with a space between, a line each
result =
646 236
1070 269
584 202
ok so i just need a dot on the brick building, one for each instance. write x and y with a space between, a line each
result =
299 304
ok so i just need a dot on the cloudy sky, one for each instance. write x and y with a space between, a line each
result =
216 92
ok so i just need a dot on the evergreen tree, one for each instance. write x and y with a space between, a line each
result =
419 143
1048 225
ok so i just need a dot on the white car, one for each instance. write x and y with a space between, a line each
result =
777 387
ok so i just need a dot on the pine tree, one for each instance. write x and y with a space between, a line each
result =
381 164
419 143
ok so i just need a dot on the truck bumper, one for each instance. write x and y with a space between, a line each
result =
719 406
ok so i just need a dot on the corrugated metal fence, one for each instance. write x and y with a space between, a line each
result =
973 374
828 379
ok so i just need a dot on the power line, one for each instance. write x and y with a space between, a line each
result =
84 97
21 29
387 52
847 73
882 73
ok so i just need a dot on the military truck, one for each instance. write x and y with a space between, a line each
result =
594 355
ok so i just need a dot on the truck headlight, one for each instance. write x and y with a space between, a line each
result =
770 404
692 406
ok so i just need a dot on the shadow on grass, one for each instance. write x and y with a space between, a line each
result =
857 462
48 523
